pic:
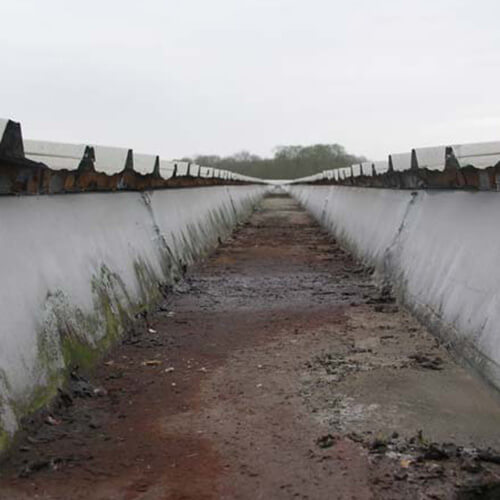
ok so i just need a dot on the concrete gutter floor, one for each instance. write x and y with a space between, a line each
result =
277 370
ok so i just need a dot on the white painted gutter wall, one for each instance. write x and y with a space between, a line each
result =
440 249
54 249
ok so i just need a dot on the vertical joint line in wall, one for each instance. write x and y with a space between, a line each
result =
395 240
146 198
325 204
232 203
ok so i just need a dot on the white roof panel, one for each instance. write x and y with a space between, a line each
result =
203 172
166 169
381 166
480 154
356 170
367 168
56 162
432 158
401 161
144 164
195 170
56 155
206 171
110 160
345 172
182 167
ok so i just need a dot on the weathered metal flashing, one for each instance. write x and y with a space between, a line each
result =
21 176
451 176
156 168
11 142
26 177
473 166
468 177
56 168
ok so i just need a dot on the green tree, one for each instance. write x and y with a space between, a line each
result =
288 162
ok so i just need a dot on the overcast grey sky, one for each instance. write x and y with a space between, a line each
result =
216 76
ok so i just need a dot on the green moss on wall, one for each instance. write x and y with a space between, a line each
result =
5 440
70 336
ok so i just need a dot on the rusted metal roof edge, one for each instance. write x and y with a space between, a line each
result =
53 168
